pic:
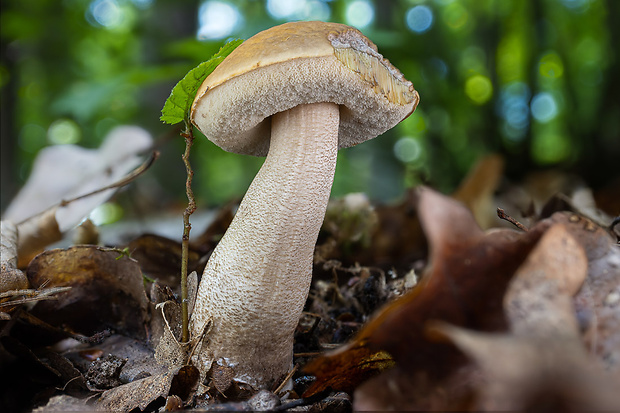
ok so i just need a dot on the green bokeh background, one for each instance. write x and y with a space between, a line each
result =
534 80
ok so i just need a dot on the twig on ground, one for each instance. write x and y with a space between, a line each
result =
286 379
503 215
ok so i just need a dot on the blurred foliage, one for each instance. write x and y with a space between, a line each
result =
534 80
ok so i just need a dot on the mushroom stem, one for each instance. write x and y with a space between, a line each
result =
256 282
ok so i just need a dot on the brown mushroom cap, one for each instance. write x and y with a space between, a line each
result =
300 63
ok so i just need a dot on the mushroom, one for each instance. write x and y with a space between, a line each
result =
296 93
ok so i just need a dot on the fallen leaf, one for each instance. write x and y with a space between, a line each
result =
137 394
64 403
160 258
64 172
346 368
169 351
477 189
543 360
35 234
598 302
107 290
67 171
464 285
539 298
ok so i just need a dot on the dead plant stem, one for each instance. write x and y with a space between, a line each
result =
191 207
503 215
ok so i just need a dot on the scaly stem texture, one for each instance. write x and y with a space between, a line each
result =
256 282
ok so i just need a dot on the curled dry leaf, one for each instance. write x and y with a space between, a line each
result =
137 394
398 238
165 325
181 382
539 298
37 233
67 171
63 172
598 301
477 189
169 351
464 285
543 359
107 290
160 258
64 403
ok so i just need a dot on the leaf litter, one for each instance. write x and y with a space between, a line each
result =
413 306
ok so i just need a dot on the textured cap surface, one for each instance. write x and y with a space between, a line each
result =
300 63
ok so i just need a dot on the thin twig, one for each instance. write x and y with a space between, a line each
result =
127 179
191 207
31 295
503 215
308 354
286 379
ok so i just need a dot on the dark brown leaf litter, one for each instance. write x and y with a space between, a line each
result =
107 290
108 344
498 281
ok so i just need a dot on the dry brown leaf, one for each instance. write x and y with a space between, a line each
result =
476 190
67 171
169 351
539 298
137 394
345 368
543 360
140 393
37 233
464 285
107 290
522 372
64 403
160 258
598 301
165 325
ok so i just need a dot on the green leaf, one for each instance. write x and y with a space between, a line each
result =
177 106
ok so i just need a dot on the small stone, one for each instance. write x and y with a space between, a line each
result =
264 400
612 299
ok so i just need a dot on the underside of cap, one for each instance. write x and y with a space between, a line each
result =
301 63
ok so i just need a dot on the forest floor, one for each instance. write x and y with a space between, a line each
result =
438 302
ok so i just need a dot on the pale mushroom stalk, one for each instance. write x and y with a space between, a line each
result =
257 280
297 93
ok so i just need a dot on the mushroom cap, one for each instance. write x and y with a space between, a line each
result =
300 63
